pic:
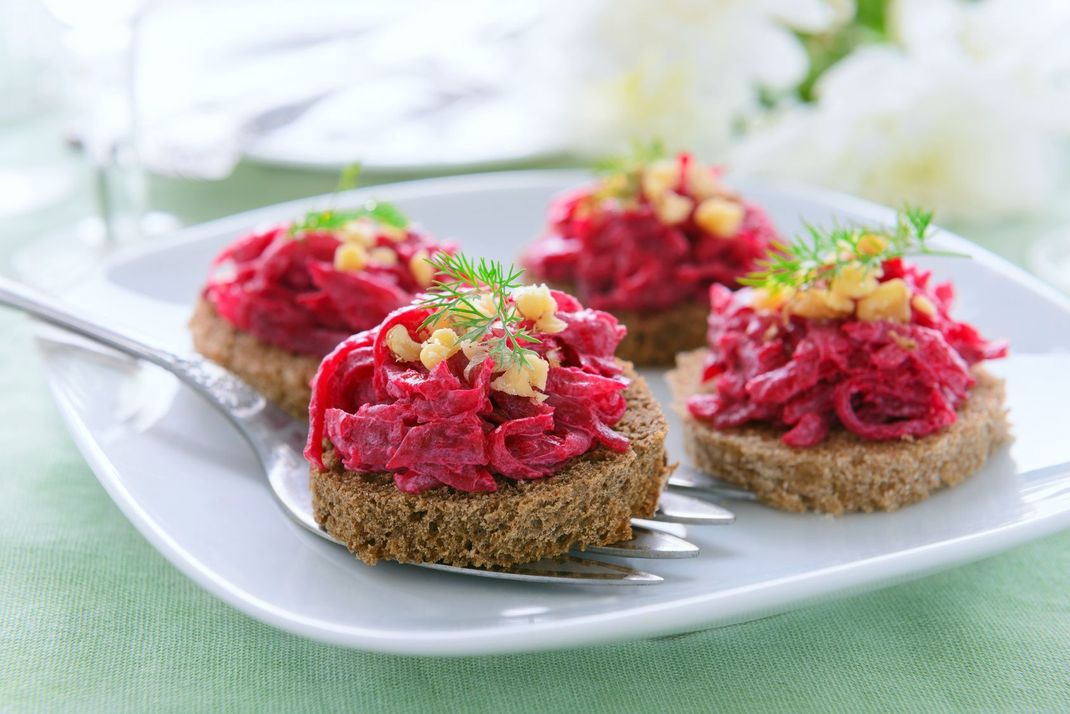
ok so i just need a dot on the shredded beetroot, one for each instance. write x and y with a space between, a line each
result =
285 290
620 256
879 380
447 426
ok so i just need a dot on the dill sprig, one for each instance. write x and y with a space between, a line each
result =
331 219
641 154
385 213
621 173
457 297
820 253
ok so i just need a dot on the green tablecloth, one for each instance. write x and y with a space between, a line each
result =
92 618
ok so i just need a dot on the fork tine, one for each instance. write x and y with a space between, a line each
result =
562 569
678 508
712 487
647 543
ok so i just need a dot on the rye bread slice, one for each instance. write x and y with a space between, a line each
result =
843 473
282 376
656 336
589 502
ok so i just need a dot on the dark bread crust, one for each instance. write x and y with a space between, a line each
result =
589 502
843 473
656 336
280 375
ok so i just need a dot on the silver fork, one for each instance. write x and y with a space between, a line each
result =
278 441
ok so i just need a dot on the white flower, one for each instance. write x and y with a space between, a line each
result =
685 70
1024 45
939 122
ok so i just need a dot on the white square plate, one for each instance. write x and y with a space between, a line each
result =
189 484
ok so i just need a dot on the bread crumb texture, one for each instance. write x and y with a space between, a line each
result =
843 473
590 502
282 376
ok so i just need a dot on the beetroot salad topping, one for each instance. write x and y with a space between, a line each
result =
415 397
650 236
306 287
872 349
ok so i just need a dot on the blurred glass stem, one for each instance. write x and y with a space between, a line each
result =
103 64
101 41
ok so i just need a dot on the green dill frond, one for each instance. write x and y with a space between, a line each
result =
457 295
641 154
331 219
349 178
621 173
384 213
819 253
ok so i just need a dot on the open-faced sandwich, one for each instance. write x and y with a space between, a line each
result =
487 424
839 380
645 242
280 299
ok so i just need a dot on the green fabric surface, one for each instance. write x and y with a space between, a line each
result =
92 618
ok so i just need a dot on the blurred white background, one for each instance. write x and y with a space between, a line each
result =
121 118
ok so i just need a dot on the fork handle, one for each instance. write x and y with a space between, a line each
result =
214 383
47 309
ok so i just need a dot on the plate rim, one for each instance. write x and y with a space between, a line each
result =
696 612
464 183
257 154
